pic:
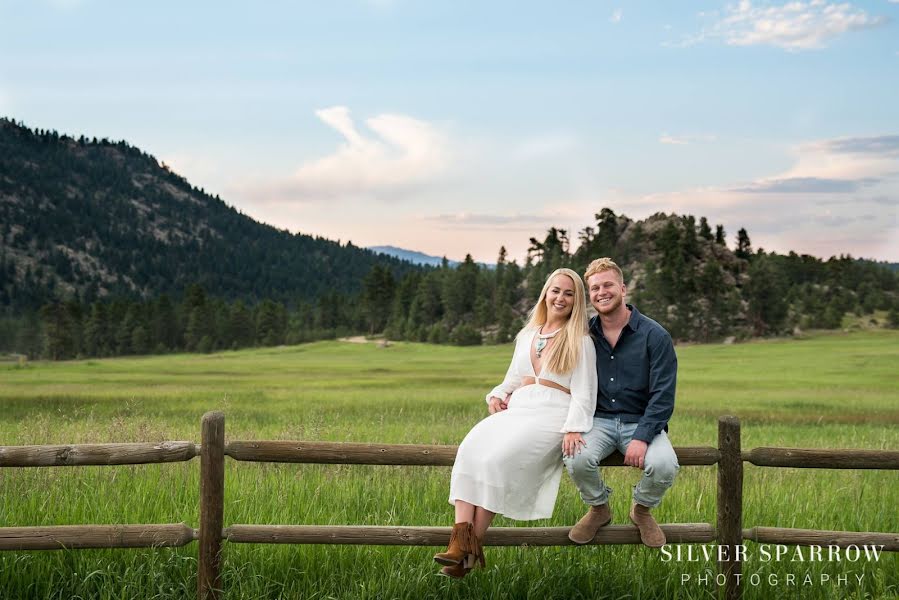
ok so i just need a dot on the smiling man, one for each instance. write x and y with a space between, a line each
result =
637 371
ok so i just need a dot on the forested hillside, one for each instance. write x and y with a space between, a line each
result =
88 219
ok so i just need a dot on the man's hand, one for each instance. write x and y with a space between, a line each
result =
572 444
636 452
498 404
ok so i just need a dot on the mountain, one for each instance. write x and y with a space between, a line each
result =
86 218
420 258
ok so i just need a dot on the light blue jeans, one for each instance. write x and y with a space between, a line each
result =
659 467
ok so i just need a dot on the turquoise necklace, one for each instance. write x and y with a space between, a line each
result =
542 339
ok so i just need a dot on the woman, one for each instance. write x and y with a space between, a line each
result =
510 463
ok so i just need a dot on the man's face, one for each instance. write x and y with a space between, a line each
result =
607 292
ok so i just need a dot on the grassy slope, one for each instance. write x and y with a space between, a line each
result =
828 391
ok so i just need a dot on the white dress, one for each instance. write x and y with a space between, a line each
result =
511 462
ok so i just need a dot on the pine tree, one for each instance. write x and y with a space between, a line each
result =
165 331
705 231
720 236
377 297
96 331
200 318
241 331
893 317
58 328
765 294
271 323
744 246
140 340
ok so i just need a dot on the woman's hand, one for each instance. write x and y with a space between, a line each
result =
572 443
497 404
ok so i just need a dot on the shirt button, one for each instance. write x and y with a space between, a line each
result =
611 379
613 358
613 399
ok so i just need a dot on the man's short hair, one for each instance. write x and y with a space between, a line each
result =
600 265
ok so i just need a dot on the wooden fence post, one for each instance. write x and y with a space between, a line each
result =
730 505
212 505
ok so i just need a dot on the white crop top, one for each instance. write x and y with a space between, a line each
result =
582 380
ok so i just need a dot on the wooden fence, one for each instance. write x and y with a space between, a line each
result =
212 451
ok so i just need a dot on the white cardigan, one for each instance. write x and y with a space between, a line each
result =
582 381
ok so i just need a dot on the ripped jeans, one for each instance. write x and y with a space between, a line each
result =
659 467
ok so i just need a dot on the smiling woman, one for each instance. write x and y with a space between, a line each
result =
509 463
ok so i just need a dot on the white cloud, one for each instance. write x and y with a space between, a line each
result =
403 152
668 139
839 196
616 16
850 159
793 26
516 222
683 140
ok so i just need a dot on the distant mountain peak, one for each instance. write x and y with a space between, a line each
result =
418 258
413 256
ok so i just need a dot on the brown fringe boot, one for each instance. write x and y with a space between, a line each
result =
461 543
468 562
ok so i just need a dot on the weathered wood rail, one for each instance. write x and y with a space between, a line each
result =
213 449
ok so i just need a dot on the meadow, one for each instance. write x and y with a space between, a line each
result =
826 391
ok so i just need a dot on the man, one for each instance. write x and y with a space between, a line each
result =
637 375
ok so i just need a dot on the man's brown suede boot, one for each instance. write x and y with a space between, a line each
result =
585 530
650 533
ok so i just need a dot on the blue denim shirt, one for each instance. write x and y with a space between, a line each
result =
637 378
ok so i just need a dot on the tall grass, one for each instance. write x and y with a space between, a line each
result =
827 392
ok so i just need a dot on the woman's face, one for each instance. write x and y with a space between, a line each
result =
560 297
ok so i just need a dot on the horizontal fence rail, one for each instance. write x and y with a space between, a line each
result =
815 537
681 533
71 537
352 453
96 454
807 458
727 457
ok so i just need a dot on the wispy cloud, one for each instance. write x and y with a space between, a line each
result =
885 145
834 166
792 26
403 152
489 221
682 140
616 16
850 158
670 139
807 185
840 193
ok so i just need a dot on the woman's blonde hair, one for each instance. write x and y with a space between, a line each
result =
567 347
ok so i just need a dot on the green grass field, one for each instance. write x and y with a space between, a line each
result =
828 391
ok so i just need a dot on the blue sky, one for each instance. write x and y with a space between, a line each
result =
454 127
